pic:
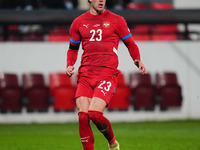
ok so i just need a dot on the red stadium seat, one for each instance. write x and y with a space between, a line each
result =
169 90
33 37
135 6
60 34
10 93
13 33
141 32
14 37
167 32
161 6
58 38
164 32
142 91
36 92
62 91
1 38
121 99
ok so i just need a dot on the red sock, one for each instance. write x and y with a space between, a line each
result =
85 131
103 124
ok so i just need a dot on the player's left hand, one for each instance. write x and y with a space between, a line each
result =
140 66
69 71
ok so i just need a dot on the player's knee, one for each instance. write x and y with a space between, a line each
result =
95 116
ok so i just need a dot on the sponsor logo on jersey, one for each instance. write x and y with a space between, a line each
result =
103 92
106 24
96 25
86 25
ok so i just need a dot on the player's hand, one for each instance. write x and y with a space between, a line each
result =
69 71
141 66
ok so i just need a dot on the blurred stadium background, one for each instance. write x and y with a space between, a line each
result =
156 111
34 38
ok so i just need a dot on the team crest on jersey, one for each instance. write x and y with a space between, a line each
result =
106 24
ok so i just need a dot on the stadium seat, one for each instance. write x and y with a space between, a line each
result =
10 93
36 92
52 37
142 91
60 34
1 38
13 33
141 32
169 90
13 37
161 6
136 6
62 91
163 32
36 37
121 99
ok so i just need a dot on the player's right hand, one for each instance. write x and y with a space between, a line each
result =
69 71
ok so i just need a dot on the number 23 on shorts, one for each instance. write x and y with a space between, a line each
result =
105 86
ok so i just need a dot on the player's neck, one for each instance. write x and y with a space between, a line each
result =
96 12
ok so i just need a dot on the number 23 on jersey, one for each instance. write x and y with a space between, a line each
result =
96 35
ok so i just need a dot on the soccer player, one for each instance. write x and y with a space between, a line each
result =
99 30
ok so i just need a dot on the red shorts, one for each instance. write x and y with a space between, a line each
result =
102 87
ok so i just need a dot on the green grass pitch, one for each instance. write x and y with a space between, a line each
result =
167 135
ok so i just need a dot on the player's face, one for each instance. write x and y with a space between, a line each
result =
98 5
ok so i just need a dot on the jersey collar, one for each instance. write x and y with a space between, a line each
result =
96 16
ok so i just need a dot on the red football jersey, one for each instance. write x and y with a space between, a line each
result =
100 35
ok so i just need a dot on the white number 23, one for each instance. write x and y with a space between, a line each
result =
107 87
99 33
